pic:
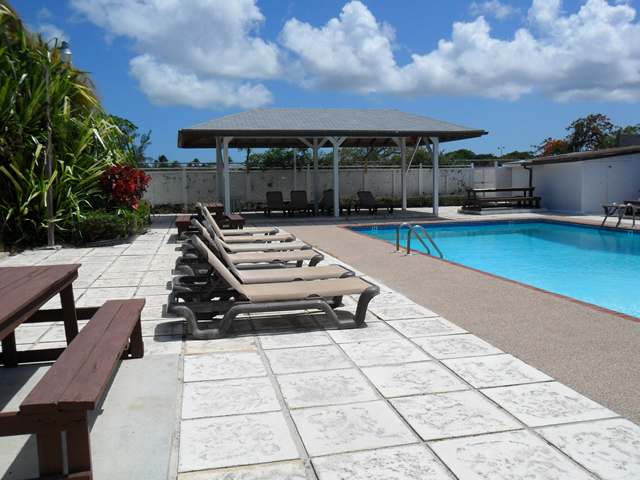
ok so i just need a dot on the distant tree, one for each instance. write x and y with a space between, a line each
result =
161 162
175 164
551 146
593 132
129 134
519 155
630 130
278 158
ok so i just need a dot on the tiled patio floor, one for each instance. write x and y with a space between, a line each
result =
289 397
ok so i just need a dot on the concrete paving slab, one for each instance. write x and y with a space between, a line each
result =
609 448
395 463
505 456
368 332
424 327
352 427
456 346
235 440
548 403
228 397
495 371
307 359
282 470
313 389
413 379
293 339
384 352
219 366
453 414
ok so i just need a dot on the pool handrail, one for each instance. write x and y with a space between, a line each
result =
413 228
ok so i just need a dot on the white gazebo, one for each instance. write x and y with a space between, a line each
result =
315 128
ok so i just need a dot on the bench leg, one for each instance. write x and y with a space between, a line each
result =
136 346
50 461
69 314
79 447
9 351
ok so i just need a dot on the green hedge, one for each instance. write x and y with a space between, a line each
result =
102 225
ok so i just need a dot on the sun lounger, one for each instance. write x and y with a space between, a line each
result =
191 263
210 281
280 237
237 232
275 201
326 203
367 200
300 203
323 295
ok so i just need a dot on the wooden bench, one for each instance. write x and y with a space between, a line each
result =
183 222
231 221
477 203
75 384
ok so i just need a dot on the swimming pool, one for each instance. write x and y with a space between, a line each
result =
598 267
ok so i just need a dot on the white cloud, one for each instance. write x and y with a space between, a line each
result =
593 54
213 40
493 8
50 31
350 53
166 85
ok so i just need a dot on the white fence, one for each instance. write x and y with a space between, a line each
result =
184 185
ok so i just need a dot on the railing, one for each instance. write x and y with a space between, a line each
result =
413 229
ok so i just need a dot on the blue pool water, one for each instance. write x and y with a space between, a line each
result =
602 268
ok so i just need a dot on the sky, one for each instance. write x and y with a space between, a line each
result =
521 70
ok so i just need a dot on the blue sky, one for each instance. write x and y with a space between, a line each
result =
521 70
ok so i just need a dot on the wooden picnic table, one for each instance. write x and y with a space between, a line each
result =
526 191
23 290
474 202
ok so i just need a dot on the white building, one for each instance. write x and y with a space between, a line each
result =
580 183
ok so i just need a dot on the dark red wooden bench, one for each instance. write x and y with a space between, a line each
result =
231 221
183 222
75 384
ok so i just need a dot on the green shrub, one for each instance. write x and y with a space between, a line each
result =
103 225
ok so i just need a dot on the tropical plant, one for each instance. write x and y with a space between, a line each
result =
124 185
84 140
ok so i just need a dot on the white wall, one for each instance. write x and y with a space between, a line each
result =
200 184
583 187
610 180
560 186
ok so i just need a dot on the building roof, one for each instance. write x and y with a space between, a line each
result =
282 127
583 156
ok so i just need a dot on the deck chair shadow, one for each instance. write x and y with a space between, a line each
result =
237 299
367 200
275 201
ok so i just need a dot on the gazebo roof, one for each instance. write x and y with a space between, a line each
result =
282 127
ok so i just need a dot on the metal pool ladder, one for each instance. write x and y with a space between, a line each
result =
414 229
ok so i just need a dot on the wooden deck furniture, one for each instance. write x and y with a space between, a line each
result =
23 290
183 223
77 380
473 202
231 221
73 385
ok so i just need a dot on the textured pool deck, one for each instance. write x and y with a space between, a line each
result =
456 375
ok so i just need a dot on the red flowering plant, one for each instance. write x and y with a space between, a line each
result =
124 185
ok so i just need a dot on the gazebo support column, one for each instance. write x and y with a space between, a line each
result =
336 178
435 154
315 146
219 169
402 143
227 192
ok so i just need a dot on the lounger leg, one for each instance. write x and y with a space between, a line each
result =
363 303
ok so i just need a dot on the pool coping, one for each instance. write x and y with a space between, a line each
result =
592 306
